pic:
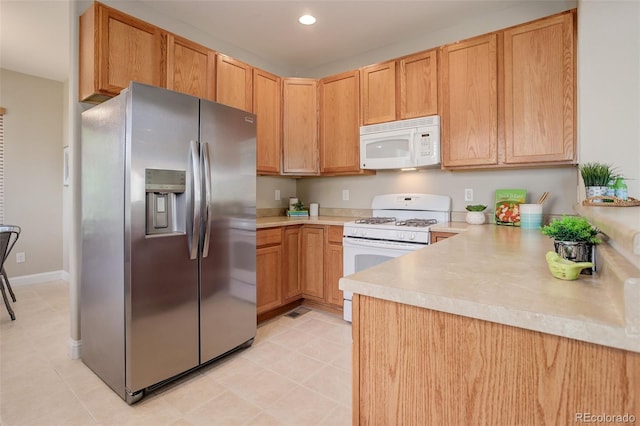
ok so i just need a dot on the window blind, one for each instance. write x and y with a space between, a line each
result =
2 112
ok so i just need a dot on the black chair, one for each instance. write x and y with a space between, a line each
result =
8 236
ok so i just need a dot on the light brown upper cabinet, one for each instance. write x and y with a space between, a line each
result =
378 94
115 49
469 102
418 77
190 67
234 83
539 91
339 128
400 89
267 96
300 126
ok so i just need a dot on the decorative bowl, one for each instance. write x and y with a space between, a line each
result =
565 269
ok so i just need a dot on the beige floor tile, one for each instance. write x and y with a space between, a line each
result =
301 406
332 382
226 409
296 373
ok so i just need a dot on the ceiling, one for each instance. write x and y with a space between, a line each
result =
34 34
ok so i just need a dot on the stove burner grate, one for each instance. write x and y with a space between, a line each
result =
376 220
416 222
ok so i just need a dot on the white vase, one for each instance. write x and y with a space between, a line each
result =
475 218
595 191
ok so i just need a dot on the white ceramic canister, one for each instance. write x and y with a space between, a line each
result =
530 216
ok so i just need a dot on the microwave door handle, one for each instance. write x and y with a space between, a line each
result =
412 147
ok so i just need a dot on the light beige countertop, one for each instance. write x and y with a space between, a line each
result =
499 274
274 221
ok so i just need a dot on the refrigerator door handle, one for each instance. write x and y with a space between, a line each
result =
193 234
206 169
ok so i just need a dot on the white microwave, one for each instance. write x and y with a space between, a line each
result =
401 144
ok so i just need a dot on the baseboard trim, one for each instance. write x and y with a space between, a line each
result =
75 348
39 278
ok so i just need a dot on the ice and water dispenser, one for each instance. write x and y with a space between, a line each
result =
165 200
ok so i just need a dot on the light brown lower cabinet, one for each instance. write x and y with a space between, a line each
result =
436 236
268 269
415 366
295 263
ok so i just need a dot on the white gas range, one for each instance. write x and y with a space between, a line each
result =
400 224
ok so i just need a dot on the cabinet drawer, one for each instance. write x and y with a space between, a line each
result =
334 234
269 236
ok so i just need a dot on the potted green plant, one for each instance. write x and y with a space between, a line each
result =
596 177
574 238
475 215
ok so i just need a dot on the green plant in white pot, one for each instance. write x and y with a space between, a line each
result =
475 214
574 238
596 177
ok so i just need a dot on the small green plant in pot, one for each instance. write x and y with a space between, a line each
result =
596 177
475 215
574 239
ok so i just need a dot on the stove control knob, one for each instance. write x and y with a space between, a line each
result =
401 235
412 236
354 231
364 232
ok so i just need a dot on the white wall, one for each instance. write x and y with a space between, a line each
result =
265 191
33 138
609 86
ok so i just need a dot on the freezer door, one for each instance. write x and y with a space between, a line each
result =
162 286
228 269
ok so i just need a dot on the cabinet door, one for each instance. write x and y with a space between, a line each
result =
234 83
378 93
469 102
291 286
268 278
539 82
333 270
116 49
418 85
300 126
312 250
190 67
434 237
339 118
267 95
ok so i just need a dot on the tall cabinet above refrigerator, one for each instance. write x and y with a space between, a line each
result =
168 236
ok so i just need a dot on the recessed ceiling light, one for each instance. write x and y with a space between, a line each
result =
307 20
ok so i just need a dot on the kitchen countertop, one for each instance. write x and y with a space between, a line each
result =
274 221
499 274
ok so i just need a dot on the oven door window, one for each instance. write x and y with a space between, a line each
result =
364 261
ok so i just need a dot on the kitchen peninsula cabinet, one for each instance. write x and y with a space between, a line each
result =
267 96
190 68
436 236
339 128
300 126
268 269
234 83
482 372
114 49
468 79
400 89
539 91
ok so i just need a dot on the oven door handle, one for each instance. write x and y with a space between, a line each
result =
356 242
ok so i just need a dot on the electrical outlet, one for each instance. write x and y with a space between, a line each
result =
345 195
21 257
468 194
277 195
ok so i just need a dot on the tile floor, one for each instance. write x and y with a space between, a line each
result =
298 372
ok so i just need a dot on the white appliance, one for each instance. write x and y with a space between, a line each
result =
400 225
401 144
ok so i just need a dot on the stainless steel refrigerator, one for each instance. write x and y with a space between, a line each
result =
168 236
